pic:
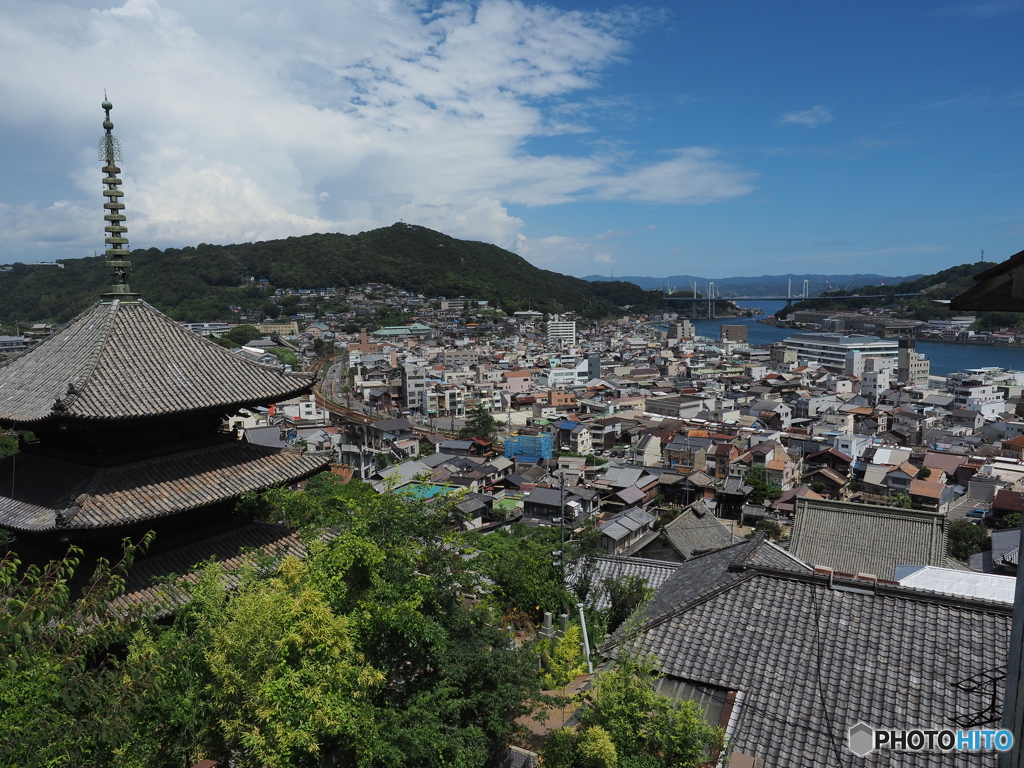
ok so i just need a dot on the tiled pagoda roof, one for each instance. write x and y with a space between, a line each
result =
40 493
123 360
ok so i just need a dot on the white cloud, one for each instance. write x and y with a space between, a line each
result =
812 118
249 119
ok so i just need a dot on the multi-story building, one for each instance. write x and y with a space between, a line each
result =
681 329
12 345
878 375
561 332
414 387
458 357
780 355
567 376
980 395
837 350
913 368
737 333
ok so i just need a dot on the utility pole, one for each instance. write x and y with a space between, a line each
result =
561 520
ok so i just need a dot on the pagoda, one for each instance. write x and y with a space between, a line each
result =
127 406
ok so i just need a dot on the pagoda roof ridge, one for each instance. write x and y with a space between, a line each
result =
121 360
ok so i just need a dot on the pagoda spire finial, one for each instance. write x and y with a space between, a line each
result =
116 231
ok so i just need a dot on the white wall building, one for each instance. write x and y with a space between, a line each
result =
561 332
838 350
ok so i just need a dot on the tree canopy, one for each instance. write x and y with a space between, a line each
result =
359 648
363 653
965 539
479 423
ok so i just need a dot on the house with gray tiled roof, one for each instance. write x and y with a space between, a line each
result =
1002 557
654 572
695 531
863 538
786 659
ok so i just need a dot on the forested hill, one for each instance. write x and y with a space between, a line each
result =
941 285
201 283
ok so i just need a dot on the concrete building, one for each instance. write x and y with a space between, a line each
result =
736 333
414 387
458 357
682 329
981 395
913 368
561 332
837 350
877 376
781 355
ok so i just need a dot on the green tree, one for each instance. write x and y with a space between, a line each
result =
965 539
243 334
8 444
764 488
645 728
770 528
286 356
1012 520
901 500
479 423
626 594
364 653
924 473
597 749
565 662
59 685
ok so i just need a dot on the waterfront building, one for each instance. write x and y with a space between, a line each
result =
913 368
980 395
736 333
840 351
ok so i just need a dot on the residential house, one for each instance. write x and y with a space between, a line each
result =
717 619
695 531
864 538
648 450
627 531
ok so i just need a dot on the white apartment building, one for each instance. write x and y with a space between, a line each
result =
414 387
838 350
879 374
566 376
561 332
979 395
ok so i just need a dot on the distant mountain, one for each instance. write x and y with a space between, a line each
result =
202 283
766 285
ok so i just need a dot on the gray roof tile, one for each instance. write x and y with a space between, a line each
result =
118 361
810 661
36 488
695 530
862 538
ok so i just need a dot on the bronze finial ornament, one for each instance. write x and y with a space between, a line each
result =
116 231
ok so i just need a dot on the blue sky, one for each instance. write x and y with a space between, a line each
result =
720 139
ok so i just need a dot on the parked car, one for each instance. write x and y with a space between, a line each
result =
978 514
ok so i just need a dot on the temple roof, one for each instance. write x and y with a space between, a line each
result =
128 360
44 494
